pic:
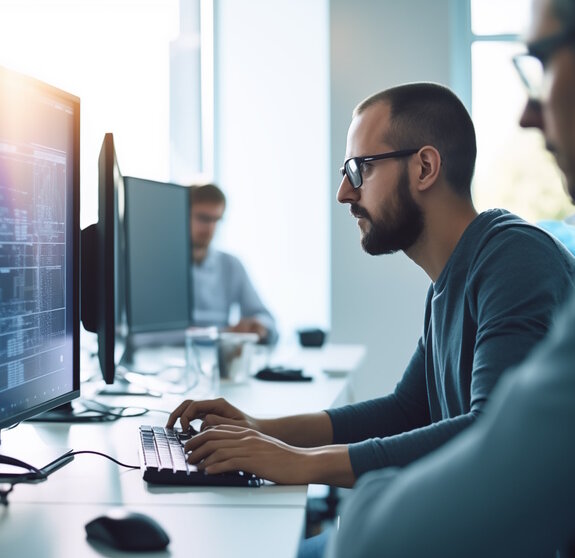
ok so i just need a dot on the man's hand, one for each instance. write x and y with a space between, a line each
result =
212 412
250 325
229 448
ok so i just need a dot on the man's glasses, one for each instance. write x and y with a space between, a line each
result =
352 167
531 65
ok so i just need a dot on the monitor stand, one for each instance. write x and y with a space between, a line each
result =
72 414
121 386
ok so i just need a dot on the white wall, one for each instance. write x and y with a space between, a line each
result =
271 150
375 44
288 74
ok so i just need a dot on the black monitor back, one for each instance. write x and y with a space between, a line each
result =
103 257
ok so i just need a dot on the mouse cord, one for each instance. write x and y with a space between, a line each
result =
35 475
102 455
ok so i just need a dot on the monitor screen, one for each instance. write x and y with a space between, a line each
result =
158 273
103 253
39 247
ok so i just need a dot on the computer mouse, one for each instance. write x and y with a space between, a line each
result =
127 530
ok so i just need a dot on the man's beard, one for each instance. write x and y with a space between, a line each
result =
399 228
567 177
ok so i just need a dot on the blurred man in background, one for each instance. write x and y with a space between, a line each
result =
220 281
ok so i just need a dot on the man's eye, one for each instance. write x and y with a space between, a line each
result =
365 167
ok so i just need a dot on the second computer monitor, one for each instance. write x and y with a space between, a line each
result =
158 273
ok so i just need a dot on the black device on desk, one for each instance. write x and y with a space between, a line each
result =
127 530
282 374
164 462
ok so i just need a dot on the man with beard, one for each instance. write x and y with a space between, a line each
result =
496 281
505 487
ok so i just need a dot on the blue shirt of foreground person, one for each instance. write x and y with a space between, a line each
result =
506 487
220 281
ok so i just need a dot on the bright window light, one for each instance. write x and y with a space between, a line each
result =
113 54
496 17
513 170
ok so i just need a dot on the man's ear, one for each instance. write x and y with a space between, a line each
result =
429 166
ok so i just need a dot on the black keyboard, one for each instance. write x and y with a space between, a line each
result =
163 461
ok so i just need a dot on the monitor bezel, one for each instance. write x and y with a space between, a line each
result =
100 267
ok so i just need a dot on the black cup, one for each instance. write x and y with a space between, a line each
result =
313 337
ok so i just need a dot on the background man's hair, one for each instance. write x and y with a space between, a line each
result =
206 193
431 114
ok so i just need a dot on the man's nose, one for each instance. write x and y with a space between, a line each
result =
532 116
346 192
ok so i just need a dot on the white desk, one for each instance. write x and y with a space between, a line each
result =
57 531
48 519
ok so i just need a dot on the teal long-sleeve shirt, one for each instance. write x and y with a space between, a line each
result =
493 301
504 488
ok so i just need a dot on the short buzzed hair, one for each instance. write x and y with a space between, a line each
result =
431 114
206 193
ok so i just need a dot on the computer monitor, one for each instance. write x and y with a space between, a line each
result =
135 270
103 253
39 247
158 272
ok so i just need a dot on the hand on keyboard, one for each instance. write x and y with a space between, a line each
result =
164 461
185 435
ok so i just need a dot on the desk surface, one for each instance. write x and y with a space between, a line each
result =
255 520
48 531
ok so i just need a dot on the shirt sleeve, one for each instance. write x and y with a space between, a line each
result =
404 409
250 303
503 488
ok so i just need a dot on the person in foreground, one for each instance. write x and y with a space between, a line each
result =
496 281
219 279
506 486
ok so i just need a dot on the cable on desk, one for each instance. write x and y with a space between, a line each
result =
117 412
32 474
80 452
8 480
35 475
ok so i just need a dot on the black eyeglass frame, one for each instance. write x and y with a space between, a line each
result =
542 50
358 161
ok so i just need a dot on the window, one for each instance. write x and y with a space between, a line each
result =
513 170
114 55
